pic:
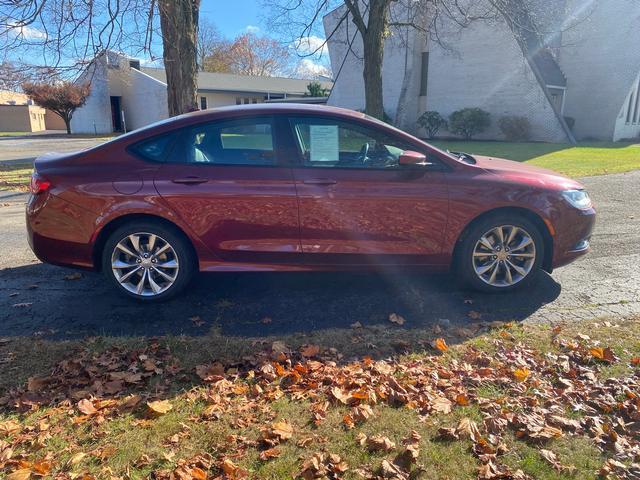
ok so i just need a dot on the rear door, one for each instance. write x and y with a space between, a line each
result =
357 204
226 180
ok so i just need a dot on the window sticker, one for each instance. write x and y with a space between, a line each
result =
324 143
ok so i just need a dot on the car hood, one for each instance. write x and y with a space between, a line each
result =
525 173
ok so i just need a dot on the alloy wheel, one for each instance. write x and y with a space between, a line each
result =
504 255
145 264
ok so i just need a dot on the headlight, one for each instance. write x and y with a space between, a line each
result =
577 198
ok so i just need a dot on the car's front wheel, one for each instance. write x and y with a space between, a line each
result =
148 261
500 253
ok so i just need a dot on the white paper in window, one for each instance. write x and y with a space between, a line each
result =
324 143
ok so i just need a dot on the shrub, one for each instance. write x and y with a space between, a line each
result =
515 128
432 122
469 122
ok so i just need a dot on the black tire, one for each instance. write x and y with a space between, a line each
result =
181 250
464 261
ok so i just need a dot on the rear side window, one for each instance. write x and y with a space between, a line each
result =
156 148
237 142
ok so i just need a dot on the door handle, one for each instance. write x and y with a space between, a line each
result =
190 180
320 181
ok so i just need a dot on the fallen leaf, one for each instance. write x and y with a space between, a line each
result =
604 354
440 344
86 406
159 407
283 430
73 276
198 474
228 467
521 374
474 315
397 319
377 443
41 468
441 405
210 373
310 350
269 454
22 474
75 459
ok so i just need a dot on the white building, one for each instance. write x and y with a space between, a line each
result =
580 78
125 95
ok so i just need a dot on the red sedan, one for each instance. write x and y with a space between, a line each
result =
291 188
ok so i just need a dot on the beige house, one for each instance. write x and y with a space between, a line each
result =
19 114
126 96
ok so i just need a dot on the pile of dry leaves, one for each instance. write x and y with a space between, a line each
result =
537 392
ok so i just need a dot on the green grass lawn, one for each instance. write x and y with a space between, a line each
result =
15 176
13 134
575 161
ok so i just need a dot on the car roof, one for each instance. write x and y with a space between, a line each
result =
269 108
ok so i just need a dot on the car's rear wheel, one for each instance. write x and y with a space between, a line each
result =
148 261
500 253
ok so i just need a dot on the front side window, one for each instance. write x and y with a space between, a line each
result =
245 142
325 142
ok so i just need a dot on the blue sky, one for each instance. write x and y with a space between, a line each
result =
232 17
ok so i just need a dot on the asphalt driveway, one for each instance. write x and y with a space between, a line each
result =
25 148
43 300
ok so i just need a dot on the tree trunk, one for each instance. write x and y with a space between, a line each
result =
373 42
67 122
179 24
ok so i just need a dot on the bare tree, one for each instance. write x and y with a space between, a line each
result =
64 36
213 49
62 98
253 55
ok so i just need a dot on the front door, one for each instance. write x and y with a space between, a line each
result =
225 180
358 205
116 114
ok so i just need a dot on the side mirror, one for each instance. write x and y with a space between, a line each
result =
409 157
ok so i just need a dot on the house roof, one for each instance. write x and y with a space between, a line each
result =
229 82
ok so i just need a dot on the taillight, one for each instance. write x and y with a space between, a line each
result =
39 184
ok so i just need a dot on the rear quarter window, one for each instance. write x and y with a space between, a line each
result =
156 148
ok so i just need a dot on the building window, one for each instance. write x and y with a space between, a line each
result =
238 101
203 103
424 74
630 107
636 116
246 101
255 100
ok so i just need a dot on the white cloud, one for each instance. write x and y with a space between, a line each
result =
307 68
252 29
311 44
27 32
